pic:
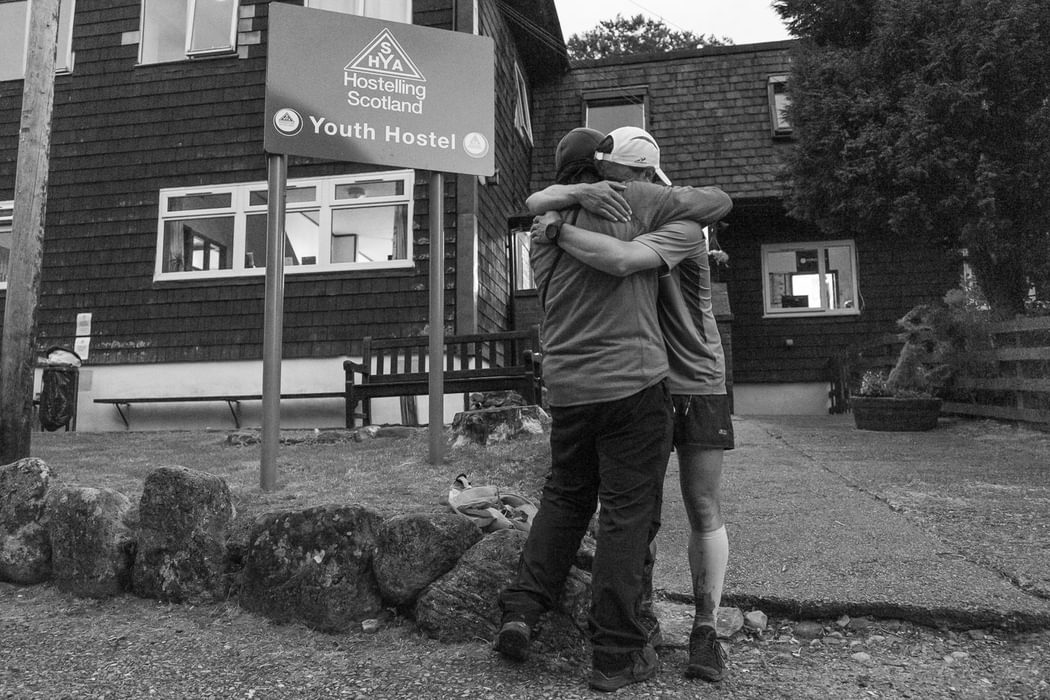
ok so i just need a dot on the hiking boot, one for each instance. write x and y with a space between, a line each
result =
513 639
642 666
707 657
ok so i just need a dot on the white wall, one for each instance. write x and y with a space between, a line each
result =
781 399
221 378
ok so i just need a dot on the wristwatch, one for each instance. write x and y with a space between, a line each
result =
552 231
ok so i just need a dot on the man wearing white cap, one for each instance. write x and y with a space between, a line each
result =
605 366
703 427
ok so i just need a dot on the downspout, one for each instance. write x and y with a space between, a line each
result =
465 19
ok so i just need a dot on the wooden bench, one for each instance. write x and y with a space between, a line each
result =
484 362
232 400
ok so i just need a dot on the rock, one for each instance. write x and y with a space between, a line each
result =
842 622
562 630
370 626
242 438
756 621
184 516
808 630
395 431
92 546
493 425
728 621
25 541
314 566
861 657
414 550
464 603
585 554
479 400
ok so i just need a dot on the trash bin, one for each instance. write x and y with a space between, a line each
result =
59 387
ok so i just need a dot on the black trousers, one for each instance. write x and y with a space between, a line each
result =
615 454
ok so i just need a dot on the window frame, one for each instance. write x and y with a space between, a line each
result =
7 216
64 56
522 110
188 52
623 96
362 8
324 202
780 126
770 311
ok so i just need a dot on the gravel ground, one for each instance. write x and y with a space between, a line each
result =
55 646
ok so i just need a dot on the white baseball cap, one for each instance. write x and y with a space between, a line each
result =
633 147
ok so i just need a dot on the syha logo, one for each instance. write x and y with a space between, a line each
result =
475 145
384 56
287 121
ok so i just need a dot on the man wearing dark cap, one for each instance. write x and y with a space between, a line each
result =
605 367
703 427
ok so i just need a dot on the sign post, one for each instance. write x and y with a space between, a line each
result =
350 88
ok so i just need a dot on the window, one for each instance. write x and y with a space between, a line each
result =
6 214
610 109
779 102
393 10
521 262
335 223
810 279
14 32
173 30
522 117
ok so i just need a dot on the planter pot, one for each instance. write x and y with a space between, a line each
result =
887 413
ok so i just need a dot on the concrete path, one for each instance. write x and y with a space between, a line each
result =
947 527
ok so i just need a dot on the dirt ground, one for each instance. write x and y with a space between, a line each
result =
56 646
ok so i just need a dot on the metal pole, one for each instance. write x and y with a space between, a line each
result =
437 319
273 319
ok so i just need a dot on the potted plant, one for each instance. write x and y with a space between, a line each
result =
936 340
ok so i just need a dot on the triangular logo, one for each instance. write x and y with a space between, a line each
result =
384 56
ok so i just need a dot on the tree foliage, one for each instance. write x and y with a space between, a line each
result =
623 36
928 118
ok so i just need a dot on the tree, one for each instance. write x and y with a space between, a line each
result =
621 36
928 118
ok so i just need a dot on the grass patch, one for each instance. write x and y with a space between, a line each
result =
389 475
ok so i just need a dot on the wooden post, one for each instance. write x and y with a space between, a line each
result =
436 427
18 357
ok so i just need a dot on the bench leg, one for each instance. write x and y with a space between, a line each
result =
234 405
122 416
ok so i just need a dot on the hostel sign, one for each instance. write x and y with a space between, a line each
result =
350 88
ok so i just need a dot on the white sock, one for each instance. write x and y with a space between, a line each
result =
708 558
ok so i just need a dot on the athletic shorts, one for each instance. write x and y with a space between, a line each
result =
703 421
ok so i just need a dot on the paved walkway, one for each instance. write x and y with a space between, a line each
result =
947 527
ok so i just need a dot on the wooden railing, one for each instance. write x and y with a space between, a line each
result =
1016 384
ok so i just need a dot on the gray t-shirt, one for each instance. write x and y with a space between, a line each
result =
602 338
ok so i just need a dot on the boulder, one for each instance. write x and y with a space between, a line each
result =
314 566
478 400
25 542
184 516
493 425
463 604
415 549
92 545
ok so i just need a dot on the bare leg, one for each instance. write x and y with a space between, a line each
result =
701 476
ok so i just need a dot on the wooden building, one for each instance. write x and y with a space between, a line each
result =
154 256
717 115
156 209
